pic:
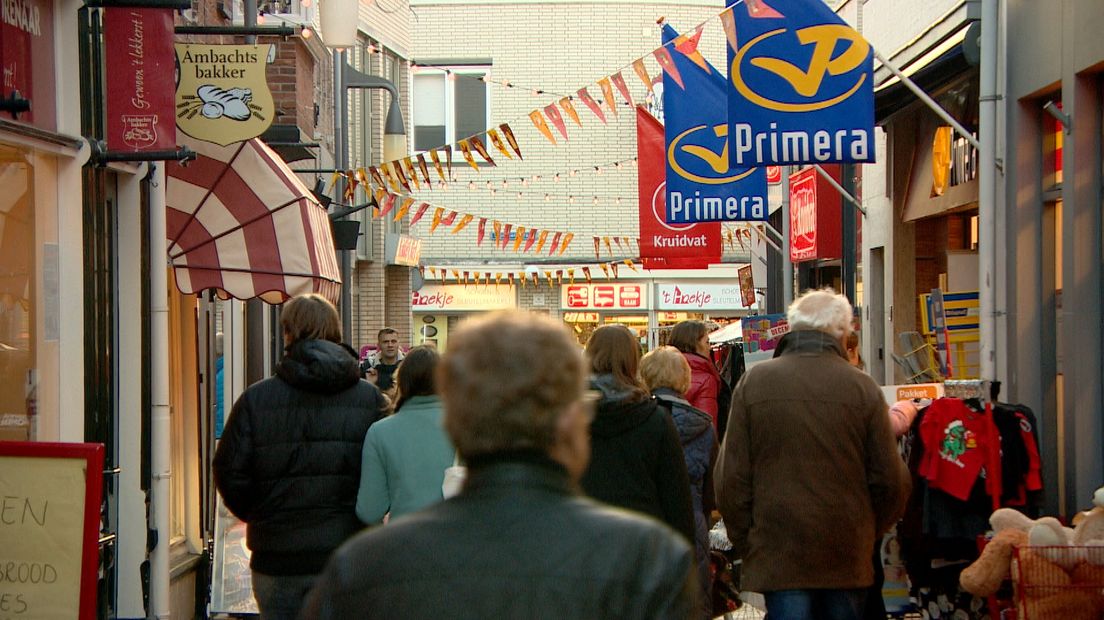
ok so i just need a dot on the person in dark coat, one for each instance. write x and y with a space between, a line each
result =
809 476
518 542
288 463
707 390
636 460
666 373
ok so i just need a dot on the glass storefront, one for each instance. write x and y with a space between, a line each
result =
28 286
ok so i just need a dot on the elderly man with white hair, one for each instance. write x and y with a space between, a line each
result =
809 473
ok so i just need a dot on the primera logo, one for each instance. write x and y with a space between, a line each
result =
692 143
827 78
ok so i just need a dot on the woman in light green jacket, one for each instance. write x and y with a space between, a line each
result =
405 455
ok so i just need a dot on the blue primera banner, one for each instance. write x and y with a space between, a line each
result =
702 185
801 85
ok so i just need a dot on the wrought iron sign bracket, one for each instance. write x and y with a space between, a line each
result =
101 156
15 104
264 31
181 5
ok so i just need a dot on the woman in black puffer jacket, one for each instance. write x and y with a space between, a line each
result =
288 463
636 457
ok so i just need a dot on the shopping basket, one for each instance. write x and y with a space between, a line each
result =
1059 583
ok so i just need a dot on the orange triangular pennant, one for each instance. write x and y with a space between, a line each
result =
566 240
465 149
464 221
437 164
569 109
541 125
642 72
607 94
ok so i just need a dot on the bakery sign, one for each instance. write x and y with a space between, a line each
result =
140 114
222 92
604 297
463 298
695 297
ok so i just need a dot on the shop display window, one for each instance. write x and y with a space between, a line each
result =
18 292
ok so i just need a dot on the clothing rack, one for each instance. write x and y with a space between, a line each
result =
967 388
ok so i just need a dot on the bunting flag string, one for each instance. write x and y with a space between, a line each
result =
531 275
687 44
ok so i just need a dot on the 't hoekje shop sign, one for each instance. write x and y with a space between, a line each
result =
693 297
457 297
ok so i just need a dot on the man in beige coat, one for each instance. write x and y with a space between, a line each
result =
809 474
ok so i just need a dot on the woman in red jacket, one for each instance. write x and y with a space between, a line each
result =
692 339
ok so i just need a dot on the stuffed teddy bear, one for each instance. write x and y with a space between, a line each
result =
1057 556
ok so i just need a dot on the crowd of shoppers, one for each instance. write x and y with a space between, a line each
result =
590 477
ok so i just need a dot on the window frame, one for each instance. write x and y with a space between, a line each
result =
451 137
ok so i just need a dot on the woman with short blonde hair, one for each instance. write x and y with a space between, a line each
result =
667 374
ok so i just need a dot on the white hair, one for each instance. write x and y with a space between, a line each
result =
823 310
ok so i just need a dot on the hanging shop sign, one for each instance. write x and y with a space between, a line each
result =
693 297
761 335
404 250
27 60
440 298
702 186
802 85
747 285
604 297
140 103
222 95
663 245
774 175
814 216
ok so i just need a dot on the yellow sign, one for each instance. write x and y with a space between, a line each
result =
807 81
222 92
42 511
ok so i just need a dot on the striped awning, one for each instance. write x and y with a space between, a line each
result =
240 222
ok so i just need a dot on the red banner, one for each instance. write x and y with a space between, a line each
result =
27 59
141 95
814 215
663 245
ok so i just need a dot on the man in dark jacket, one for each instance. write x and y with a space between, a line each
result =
518 542
809 473
288 463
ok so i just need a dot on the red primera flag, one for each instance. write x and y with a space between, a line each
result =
663 245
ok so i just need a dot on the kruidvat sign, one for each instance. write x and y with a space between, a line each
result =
462 298
801 86
702 186
140 110
693 297
664 245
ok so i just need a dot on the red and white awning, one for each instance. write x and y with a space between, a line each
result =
241 222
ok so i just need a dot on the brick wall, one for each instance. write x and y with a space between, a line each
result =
557 48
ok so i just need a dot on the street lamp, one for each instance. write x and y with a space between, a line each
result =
394 147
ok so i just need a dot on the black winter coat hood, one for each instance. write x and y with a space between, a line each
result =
620 409
319 366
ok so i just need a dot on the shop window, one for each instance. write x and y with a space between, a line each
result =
450 104
17 296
